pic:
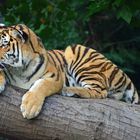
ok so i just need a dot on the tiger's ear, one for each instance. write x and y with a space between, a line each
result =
20 34
25 36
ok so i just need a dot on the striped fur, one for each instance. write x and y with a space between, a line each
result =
78 70
89 74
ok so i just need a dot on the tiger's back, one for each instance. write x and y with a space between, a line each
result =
89 69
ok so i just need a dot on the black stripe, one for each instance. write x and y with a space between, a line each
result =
91 79
87 74
9 74
7 77
32 46
44 74
122 84
97 86
13 46
88 68
70 67
86 61
68 73
52 75
28 64
73 62
64 60
67 81
120 80
113 74
93 85
101 58
20 27
106 66
78 62
61 66
129 86
96 54
41 57
49 53
73 47
95 80
17 47
96 91
30 41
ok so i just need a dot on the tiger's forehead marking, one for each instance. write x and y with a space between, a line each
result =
4 37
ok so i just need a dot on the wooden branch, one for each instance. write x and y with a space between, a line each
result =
65 118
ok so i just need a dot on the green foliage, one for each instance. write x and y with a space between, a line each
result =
125 13
125 9
111 26
52 20
60 23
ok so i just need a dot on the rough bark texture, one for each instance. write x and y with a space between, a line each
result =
65 118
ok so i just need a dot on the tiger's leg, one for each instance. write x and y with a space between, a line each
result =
92 83
2 81
83 92
33 100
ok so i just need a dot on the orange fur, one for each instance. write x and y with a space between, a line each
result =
77 70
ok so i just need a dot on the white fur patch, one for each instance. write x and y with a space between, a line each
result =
129 93
35 85
2 24
5 40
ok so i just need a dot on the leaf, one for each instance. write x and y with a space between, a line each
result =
125 13
117 2
128 70
41 28
97 6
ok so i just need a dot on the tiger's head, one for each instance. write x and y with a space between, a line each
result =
18 44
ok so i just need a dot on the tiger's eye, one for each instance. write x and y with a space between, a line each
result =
11 39
8 49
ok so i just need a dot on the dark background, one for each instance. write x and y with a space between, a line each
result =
110 26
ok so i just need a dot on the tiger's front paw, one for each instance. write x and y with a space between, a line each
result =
31 105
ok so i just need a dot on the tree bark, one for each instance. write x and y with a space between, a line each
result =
65 118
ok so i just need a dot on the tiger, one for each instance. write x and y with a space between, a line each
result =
77 71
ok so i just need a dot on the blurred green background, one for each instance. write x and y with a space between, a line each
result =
110 26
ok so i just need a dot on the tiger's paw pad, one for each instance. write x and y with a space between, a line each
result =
31 105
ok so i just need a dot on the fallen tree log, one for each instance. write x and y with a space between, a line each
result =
65 118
